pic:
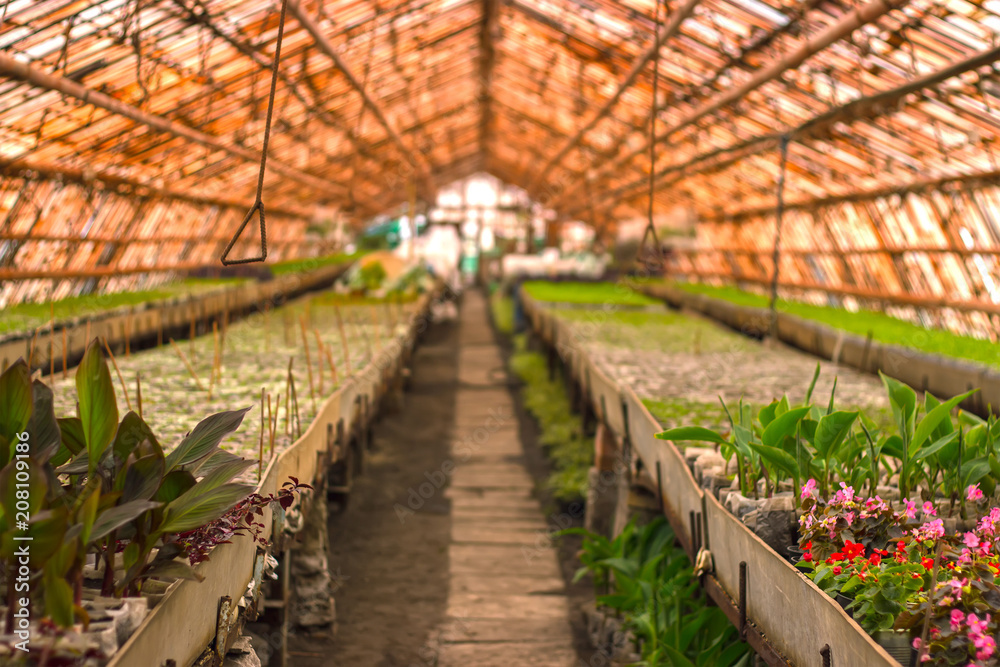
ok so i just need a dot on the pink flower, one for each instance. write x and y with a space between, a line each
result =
917 643
911 509
849 517
929 509
971 540
957 618
930 530
976 627
837 569
809 489
973 494
845 495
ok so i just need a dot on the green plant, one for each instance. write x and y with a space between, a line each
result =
645 579
594 293
371 276
98 485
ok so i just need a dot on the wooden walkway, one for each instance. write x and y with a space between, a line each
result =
506 599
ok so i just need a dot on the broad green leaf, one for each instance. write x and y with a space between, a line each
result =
783 426
193 511
135 435
143 478
79 465
903 400
88 514
174 484
833 394
936 446
58 599
994 466
73 442
220 457
98 407
767 413
15 404
696 433
221 475
973 471
118 516
933 419
206 436
677 658
831 432
43 427
777 457
892 446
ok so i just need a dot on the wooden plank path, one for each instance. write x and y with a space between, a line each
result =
506 600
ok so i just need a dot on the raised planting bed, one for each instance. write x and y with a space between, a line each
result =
55 346
587 294
784 616
190 616
965 366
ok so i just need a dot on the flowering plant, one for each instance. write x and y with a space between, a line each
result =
845 519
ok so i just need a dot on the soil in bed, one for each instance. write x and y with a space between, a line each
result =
391 577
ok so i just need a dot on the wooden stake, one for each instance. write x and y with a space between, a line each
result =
270 431
274 419
180 353
128 334
216 364
295 407
138 393
65 354
260 458
309 368
319 360
343 339
86 340
333 368
121 380
288 398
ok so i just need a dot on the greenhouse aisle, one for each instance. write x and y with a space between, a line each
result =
506 600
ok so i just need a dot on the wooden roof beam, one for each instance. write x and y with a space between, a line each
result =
815 128
666 33
487 60
414 158
31 170
847 24
17 70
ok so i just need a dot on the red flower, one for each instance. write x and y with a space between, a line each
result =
927 562
837 569
807 558
834 557
853 550
875 559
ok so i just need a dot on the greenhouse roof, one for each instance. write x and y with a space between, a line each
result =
123 121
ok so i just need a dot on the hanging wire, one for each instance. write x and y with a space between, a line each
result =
258 206
650 228
779 215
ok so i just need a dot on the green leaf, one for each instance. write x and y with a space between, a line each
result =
220 457
143 478
58 599
221 475
88 514
118 516
135 434
933 419
174 484
777 457
696 433
936 446
192 511
812 385
783 426
767 413
43 427
98 407
206 436
831 432
677 658
73 441
15 407
892 446
903 400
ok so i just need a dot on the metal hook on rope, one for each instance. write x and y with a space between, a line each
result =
657 258
258 205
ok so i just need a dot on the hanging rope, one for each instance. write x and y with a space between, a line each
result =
258 205
779 215
656 259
